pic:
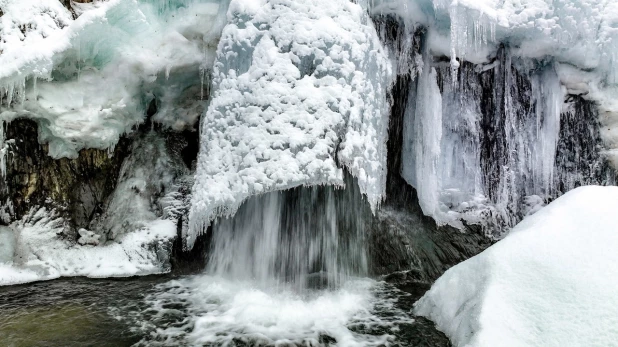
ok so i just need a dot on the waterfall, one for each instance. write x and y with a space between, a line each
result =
304 237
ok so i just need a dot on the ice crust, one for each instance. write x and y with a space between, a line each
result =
551 282
299 90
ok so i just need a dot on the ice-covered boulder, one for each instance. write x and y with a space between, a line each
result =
553 281
37 248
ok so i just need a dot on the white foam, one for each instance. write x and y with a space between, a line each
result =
220 311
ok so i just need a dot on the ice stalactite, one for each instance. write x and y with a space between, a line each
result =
485 147
298 89
422 137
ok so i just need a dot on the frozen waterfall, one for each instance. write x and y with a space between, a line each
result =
503 109
299 89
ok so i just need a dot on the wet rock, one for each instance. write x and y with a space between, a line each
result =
76 187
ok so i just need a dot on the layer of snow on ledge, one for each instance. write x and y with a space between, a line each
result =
298 86
551 282
35 251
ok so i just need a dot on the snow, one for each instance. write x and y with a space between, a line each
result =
299 88
551 282
37 250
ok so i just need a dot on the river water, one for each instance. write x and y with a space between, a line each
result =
202 310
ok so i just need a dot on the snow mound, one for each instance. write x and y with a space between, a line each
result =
551 282
299 87
35 250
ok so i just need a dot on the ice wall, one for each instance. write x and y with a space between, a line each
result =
511 107
299 91
580 36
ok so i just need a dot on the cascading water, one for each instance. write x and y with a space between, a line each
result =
302 237
289 268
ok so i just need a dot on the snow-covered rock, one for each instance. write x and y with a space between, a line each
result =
551 282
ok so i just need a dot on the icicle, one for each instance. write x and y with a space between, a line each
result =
3 151
455 27
34 90
202 72
22 91
202 75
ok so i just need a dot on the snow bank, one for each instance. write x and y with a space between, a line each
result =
37 249
551 282
299 87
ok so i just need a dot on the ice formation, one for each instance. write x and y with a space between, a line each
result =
550 282
88 76
299 88
513 102
89 80
502 91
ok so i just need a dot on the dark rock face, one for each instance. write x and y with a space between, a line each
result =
77 187
579 147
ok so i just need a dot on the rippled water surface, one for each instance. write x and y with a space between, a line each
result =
209 311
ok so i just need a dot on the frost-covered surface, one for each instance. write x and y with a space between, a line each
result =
578 32
37 248
147 174
88 81
299 88
551 282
